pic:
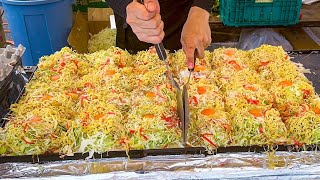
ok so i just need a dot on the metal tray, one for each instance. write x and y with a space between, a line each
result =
310 60
134 154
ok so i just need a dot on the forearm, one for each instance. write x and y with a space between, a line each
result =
119 6
204 4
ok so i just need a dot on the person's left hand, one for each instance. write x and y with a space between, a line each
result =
196 35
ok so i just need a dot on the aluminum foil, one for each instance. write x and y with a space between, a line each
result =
282 165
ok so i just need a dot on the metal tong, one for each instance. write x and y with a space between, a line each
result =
185 103
181 95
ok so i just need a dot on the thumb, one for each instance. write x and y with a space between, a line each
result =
152 6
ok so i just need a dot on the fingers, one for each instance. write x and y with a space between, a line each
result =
150 31
189 50
152 23
145 21
200 51
193 48
151 39
136 10
152 6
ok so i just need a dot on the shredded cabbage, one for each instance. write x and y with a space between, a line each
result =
103 40
111 100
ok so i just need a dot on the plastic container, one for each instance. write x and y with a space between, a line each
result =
42 26
260 12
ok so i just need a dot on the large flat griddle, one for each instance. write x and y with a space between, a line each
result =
310 60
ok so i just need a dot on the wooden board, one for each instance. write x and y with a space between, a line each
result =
96 26
86 25
310 15
98 19
99 14
299 39
79 35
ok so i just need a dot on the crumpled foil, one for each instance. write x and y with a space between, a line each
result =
282 165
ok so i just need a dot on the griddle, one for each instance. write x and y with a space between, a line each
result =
310 60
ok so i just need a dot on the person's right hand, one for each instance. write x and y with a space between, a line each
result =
145 21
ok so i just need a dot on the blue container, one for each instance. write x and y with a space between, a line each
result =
42 26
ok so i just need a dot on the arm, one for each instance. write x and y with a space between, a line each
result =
119 6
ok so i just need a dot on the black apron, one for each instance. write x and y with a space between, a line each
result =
174 13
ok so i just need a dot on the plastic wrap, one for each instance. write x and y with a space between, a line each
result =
12 78
284 165
254 38
309 2
11 89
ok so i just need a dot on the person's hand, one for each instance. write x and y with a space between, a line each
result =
196 35
145 21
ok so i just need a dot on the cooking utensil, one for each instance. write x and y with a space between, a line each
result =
161 52
181 95
185 99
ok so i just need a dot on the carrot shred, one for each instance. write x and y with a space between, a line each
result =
208 112
261 129
255 113
235 65
97 117
150 94
249 87
265 63
229 52
194 101
132 131
253 101
199 68
204 136
88 84
285 83
27 141
34 119
143 135
46 97
316 110
201 90
55 77
149 116
110 72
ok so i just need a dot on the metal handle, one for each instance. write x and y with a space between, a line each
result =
159 47
161 51
195 58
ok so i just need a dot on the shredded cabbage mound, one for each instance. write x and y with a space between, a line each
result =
111 100
102 41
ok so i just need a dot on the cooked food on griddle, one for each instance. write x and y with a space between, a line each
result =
111 100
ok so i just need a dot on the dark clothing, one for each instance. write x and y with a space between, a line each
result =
174 13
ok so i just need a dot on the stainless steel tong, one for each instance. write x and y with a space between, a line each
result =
181 94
